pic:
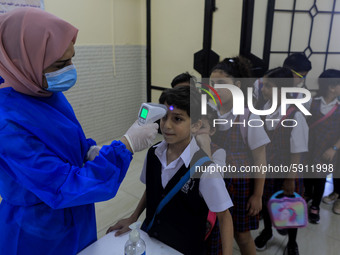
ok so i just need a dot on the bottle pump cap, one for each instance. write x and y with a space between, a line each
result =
134 235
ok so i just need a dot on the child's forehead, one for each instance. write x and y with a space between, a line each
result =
173 109
219 74
221 78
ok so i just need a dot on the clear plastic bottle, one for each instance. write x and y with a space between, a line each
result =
135 245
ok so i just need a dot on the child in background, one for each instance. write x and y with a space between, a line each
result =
299 65
333 198
287 145
324 137
182 79
241 151
182 222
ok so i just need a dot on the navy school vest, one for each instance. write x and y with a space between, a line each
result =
182 222
324 135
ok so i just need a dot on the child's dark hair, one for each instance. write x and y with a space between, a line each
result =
298 62
182 78
280 76
236 67
328 78
186 98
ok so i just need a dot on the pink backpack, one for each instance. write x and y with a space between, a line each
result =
211 220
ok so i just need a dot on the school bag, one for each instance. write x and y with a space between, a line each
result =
287 212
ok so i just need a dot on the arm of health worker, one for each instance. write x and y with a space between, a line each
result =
57 182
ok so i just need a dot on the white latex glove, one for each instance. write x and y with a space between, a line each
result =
141 137
93 152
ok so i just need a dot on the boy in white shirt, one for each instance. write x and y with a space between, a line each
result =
182 222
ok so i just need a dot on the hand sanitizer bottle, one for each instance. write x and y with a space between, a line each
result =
135 245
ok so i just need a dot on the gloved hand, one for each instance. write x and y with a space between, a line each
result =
93 152
141 137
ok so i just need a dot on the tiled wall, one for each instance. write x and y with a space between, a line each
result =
107 103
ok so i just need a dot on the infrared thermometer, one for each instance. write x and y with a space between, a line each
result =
150 112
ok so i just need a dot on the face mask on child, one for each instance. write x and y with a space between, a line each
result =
62 79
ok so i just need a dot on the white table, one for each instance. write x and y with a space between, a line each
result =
112 245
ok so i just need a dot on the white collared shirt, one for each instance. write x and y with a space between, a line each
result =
212 189
299 135
324 107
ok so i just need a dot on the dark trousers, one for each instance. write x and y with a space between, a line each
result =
336 184
336 181
314 189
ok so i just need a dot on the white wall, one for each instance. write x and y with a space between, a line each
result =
177 33
110 60
103 21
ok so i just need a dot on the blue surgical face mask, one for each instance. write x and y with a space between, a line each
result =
62 79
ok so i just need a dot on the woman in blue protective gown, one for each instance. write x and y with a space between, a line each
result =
50 173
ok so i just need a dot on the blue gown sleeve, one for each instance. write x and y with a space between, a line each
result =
90 142
57 182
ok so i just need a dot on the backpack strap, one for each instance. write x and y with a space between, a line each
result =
329 114
175 189
289 111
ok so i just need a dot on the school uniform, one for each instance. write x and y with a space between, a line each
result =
182 222
239 154
218 155
322 136
230 138
284 142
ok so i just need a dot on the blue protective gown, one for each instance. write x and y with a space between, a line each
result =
48 187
